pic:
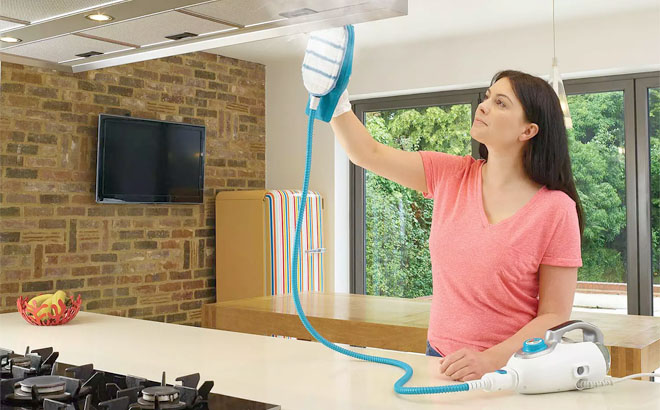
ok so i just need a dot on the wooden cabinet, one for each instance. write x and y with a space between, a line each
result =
254 243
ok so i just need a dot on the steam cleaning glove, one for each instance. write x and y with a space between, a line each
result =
343 105
329 102
332 104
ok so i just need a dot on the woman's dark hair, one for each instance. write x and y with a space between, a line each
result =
545 156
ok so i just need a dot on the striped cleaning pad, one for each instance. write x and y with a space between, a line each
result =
323 60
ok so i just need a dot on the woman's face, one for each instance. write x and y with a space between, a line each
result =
500 122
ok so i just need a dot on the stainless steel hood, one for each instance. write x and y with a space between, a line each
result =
56 33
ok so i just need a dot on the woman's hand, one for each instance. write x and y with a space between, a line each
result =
467 364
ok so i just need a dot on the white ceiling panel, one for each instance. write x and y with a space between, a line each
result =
64 48
153 29
248 12
444 20
7 25
38 10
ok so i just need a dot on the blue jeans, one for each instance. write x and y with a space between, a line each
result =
430 351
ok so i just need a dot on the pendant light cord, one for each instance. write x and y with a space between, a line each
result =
554 47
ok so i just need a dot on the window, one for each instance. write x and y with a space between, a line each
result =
653 113
597 148
398 219
648 124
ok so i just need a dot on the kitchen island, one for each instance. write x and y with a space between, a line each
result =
402 324
292 373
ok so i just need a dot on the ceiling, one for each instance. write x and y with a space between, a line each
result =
56 33
440 19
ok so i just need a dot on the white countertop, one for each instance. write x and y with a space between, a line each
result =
294 374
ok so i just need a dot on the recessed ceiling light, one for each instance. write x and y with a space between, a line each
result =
10 39
99 17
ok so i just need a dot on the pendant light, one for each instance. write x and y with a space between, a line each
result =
555 78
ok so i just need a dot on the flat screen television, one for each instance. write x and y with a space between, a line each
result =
149 161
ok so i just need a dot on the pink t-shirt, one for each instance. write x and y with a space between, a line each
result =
485 276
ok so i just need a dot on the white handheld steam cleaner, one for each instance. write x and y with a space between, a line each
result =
565 366
541 365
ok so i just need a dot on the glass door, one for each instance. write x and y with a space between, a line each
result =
648 151
392 223
398 219
597 145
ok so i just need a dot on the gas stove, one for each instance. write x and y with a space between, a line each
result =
37 381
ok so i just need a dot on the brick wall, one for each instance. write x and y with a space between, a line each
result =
148 261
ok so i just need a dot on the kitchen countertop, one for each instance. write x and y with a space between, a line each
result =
402 324
292 373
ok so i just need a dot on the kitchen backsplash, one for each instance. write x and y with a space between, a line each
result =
153 262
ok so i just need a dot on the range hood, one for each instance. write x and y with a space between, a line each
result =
57 34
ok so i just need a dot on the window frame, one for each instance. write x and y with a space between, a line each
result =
358 283
645 281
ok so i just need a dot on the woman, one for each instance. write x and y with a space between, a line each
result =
506 231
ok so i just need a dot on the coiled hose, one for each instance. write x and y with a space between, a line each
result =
399 385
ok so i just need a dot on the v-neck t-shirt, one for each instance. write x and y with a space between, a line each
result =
485 276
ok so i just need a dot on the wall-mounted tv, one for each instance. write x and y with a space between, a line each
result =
149 161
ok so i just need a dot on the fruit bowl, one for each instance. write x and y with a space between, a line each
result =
47 317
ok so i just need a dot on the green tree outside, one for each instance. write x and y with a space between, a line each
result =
398 219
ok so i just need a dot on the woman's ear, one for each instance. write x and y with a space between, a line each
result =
529 132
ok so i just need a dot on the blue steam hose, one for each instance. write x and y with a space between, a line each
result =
399 385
